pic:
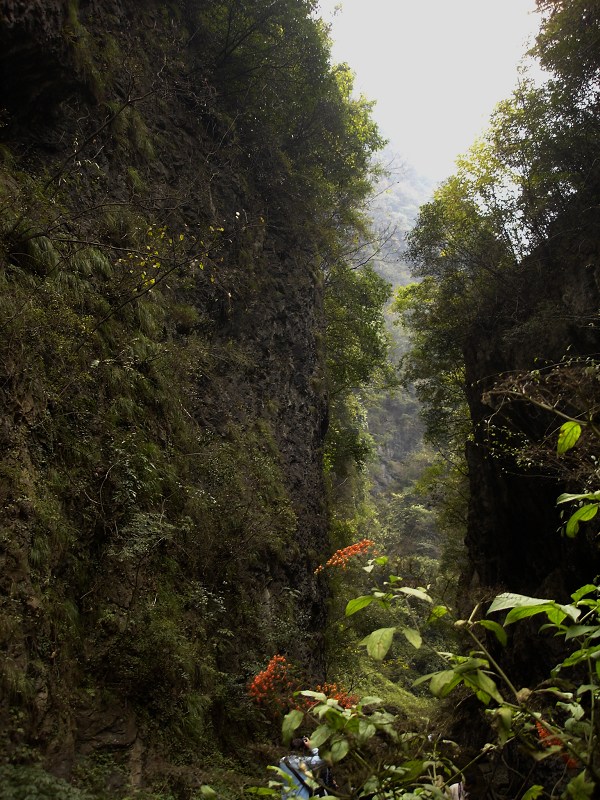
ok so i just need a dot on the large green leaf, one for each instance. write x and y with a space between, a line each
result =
503 717
496 629
322 698
509 600
583 514
587 589
420 593
470 664
366 730
582 655
437 612
379 642
320 735
443 682
568 498
357 603
291 721
593 631
479 680
339 749
413 636
370 700
522 612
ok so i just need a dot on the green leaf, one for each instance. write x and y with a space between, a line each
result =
339 749
589 588
579 788
379 642
366 731
437 612
567 437
568 498
370 700
522 612
533 792
322 698
470 664
583 514
443 682
509 600
357 603
503 717
580 655
582 630
207 791
291 721
496 629
424 678
480 680
412 770
420 593
320 735
413 636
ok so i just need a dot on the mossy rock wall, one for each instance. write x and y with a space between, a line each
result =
161 393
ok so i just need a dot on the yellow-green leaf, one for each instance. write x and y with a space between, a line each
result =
357 603
567 437
379 642
583 514
413 636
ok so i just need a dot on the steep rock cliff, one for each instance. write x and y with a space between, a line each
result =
163 404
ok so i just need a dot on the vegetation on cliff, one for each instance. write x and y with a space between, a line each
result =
181 190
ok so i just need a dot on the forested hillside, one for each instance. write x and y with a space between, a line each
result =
195 375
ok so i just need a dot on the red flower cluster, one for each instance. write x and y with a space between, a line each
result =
274 685
274 689
336 693
548 740
341 557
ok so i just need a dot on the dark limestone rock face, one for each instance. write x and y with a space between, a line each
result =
545 313
112 106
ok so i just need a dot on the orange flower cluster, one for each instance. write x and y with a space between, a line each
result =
336 693
274 688
274 685
341 557
548 740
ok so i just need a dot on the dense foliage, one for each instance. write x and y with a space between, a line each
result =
175 278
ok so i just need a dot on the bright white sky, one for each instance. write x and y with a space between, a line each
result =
436 68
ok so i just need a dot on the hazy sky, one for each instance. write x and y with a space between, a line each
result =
437 68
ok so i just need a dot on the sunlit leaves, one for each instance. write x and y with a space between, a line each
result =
421 594
585 512
568 436
379 642
412 635
509 600
357 603
522 607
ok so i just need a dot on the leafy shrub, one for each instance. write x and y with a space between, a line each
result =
34 783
